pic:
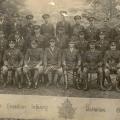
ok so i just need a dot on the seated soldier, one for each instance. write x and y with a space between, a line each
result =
13 61
71 61
33 64
52 62
112 65
92 64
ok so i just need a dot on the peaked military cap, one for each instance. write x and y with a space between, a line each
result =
29 17
44 16
77 17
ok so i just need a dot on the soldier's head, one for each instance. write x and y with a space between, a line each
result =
52 41
113 45
36 29
82 35
2 34
63 14
92 45
77 19
12 43
46 17
29 18
15 17
106 21
102 35
34 44
71 44
91 20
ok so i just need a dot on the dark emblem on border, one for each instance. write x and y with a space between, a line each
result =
66 110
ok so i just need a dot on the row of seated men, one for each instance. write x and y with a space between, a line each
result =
97 57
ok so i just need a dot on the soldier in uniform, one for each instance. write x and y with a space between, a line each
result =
13 61
33 64
91 30
64 23
112 64
92 64
82 44
47 29
38 36
52 63
103 43
71 61
62 38
77 27
3 46
27 31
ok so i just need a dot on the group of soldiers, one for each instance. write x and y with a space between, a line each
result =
33 53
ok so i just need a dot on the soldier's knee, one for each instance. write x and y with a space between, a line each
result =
25 69
40 69
4 70
85 70
100 70
118 72
60 71
107 72
19 71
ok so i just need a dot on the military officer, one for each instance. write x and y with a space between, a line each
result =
71 61
52 63
92 30
112 65
47 29
33 64
62 38
103 43
92 63
27 31
83 43
64 23
13 61
77 27
39 37
3 46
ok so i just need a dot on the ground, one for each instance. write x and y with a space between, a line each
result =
71 92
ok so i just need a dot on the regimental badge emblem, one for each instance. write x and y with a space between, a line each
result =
66 110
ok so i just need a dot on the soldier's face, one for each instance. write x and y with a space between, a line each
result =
102 36
12 45
46 20
77 21
113 47
37 31
92 46
34 45
52 43
71 45
2 36
91 22
82 36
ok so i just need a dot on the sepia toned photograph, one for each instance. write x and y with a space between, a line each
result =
61 48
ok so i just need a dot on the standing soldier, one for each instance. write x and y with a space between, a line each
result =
82 44
27 31
77 27
38 36
91 31
103 43
71 62
3 46
62 38
64 23
16 26
52 63
33 64
47 29
13 61
92 64
112 65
